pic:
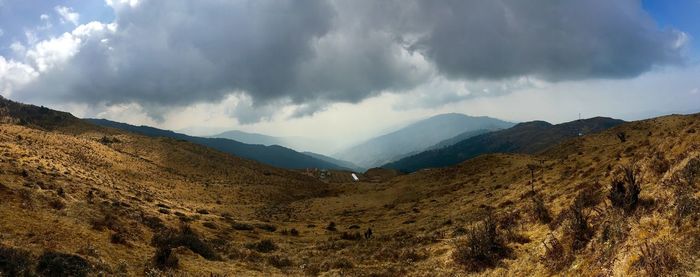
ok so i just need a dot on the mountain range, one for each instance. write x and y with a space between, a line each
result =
416 137
528 137
274 155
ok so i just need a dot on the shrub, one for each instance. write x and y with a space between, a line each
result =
242 226
57 204
266 227
294 232
691 171
540 210
622 136
555 257
61 264
482 248
165 258
15 262
202 211
686 205
624 191
331 227
210 225
279 262
588 197
656 259
118 238
351 236
184 237
263 246
153 222
577 227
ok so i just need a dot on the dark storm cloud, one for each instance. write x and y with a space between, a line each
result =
175 53
554 40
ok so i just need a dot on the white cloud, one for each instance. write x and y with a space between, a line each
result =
1 32
14 74
67 14
45 19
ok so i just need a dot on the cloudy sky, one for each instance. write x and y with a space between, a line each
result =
345 70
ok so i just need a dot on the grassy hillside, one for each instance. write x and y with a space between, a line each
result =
528 137
95 200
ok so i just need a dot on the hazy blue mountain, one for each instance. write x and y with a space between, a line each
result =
275 155
529 137
250 138
300 144
456 139
416 137
342 163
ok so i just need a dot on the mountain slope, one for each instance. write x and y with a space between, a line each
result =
456 139
250 138
100 201
416 137
274 155
299 144
528 137
345 164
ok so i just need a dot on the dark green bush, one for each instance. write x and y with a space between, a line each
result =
15 262
263 246
60 264
186 237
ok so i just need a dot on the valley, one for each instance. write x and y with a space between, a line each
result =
112 202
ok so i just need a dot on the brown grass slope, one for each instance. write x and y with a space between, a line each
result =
90 200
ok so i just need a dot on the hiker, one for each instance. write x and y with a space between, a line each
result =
368 233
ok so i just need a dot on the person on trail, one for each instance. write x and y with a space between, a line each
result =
368 233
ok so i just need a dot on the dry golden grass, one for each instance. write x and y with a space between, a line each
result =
68 190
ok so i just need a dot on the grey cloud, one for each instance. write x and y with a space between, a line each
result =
553 40
311 53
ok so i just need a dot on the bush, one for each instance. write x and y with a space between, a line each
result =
153 222
351 236
691 171
266 227
656 259
624 191
483 248
263 246
294 232
61 264
555 257
118 238
185 237
279 262
165 258
242 226
210 225
331 227
686 205
578 230
15 262
540 210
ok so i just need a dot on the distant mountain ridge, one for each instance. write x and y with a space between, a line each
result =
528 137
274 155
299 144
335 161
250 138
416 137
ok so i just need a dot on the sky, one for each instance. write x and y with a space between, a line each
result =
343 71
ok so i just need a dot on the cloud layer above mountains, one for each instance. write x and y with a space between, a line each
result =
163 54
